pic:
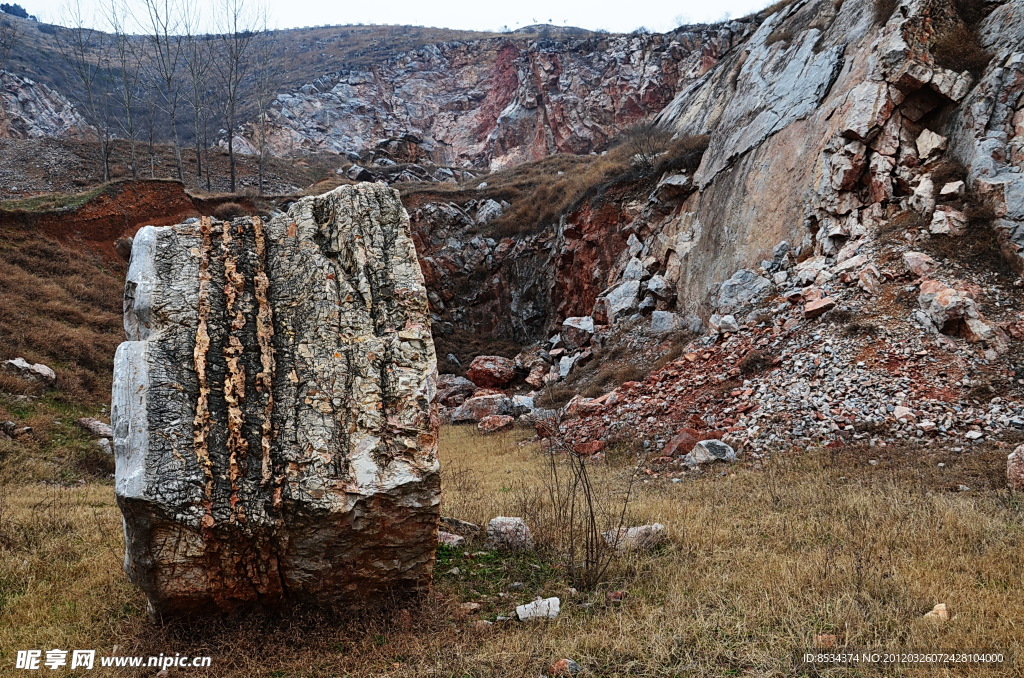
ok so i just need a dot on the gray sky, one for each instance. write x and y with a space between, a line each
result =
618 16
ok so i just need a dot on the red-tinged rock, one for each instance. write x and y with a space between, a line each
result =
813 309
564 667
870 280
581 407
577 330
491 371
919 263
495 423
453 390
480 392
682 443
536 376
588 448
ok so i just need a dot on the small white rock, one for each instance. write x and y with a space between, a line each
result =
541 608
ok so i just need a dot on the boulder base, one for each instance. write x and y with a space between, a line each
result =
273 428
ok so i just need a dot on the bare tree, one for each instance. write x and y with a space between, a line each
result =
162 22
128 74
86 52
237 25
199 58
266 80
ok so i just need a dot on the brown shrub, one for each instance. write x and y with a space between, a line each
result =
980 247
883 10
859 329
644 142
228 210
959 48
611 375
15 385
556 395
90 460
755 361
947 170
783 34
683 154
907 220
972 12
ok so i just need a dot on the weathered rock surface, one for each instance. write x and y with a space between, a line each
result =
496 102
495 423
491 371
511 534
95 427
31 110
639 538
273 429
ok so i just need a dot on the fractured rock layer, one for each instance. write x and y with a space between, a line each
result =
272 409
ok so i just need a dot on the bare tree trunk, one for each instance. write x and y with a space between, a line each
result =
85 50
238 25
163 20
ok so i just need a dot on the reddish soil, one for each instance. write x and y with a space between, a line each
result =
121 209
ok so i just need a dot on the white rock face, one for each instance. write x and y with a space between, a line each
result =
665 321
272 409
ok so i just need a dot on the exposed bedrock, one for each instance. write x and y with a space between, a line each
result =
272 409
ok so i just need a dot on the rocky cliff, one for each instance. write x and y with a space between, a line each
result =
842 265
823 123
31 110
496 102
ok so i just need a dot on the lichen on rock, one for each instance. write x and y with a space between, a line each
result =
273 421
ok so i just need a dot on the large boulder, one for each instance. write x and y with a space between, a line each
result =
491 371
273 427
576 331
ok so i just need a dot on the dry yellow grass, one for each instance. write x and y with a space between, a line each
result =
759 562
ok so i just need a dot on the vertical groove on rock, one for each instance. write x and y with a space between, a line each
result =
234 379
201 422
264 337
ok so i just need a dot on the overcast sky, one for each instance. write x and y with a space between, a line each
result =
617 16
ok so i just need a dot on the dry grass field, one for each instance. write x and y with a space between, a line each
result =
759 562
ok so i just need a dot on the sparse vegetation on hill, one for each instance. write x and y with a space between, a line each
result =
541 192
61 305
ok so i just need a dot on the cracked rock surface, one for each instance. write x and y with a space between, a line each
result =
274 431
